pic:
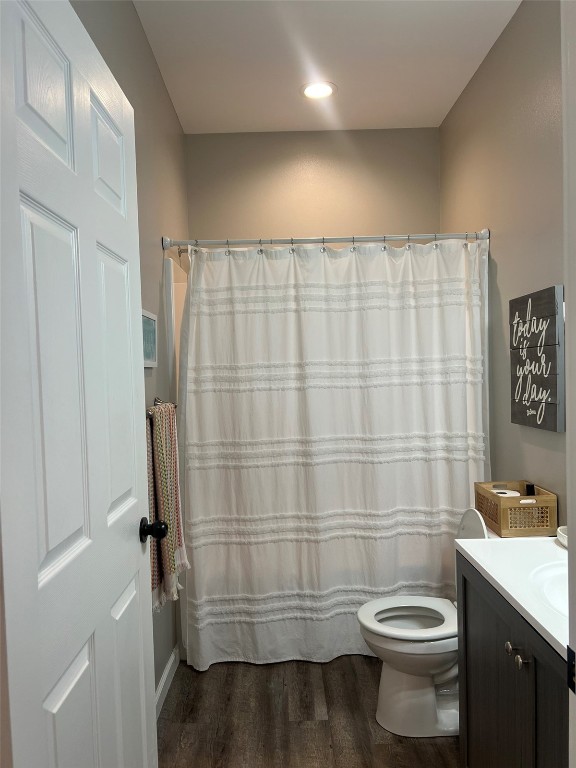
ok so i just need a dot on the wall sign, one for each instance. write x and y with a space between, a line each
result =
537 359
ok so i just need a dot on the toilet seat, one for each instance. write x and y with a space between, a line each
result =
447 628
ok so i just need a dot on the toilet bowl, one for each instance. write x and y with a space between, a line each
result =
417 639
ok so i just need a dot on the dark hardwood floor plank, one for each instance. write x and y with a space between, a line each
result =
306 697
274 696
351 743
169 732
206 694
174 704
367 670
246 719
310 745
219 745
401 752
196 748
287 715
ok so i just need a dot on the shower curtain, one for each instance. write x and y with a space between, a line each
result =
333 422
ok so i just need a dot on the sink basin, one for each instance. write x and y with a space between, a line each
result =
551 582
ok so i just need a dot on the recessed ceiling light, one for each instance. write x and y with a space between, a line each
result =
318 90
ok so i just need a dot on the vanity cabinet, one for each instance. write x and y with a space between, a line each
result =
513 691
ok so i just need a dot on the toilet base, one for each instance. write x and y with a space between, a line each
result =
408 705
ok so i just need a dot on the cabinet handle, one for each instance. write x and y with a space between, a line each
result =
509 648
519 661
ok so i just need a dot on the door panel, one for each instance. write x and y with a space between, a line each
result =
76 578
43 88
107 156
115 299
127 675
51 256
71 714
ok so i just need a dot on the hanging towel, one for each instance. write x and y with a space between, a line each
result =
168 555
155 562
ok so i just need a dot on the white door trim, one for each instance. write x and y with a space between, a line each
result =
568 11
166 679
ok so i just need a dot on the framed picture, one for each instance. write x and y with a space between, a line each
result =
150 339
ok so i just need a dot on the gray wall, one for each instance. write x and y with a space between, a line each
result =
501 166
162 210
313 183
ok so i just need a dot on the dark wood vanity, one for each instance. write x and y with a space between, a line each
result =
513 690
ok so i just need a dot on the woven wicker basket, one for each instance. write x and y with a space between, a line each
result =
517 515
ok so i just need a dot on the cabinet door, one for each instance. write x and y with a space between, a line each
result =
510 716
496 723
548 673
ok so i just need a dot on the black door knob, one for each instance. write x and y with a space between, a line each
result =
157 530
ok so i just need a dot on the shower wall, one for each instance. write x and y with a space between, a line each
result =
175 284
313 183
501 148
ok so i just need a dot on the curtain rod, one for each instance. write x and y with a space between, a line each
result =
167 242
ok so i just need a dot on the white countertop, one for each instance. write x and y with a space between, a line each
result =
507 564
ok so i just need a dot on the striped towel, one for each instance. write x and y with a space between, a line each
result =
167 556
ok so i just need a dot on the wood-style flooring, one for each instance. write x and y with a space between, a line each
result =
291 715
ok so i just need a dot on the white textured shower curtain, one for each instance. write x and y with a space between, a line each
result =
332 426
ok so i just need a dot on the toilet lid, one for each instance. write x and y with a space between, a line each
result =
369 612
472 526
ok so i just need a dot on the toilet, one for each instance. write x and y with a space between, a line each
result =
417 639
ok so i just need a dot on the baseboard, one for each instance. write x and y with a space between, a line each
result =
166 680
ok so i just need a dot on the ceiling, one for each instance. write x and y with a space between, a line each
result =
234 66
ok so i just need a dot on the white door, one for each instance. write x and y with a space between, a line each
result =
76 578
